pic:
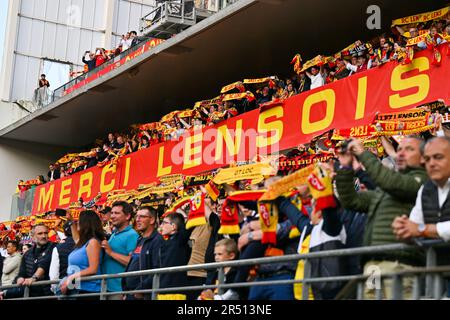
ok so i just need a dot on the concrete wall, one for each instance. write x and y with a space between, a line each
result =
127 15
60 31
10 113
21 160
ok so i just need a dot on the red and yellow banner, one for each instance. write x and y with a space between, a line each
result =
238 96
237 85
422 17
258 81
318 60
350 102
146 47
416 40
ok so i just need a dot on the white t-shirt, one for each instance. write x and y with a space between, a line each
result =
416 215
126 44
3 252
317 80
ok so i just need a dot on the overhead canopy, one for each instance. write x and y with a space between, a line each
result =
250 39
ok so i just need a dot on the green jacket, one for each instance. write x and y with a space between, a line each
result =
395 196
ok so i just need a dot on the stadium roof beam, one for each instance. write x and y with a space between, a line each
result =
249 39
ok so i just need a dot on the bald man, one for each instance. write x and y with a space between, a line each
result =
430 217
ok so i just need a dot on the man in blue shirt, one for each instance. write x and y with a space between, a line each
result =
120 246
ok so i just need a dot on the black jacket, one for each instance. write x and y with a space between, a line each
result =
32 260
433 213
64 249
174 252
56 175
214 222
145 257
36 258
90 63
135 41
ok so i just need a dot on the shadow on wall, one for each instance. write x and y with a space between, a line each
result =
22 160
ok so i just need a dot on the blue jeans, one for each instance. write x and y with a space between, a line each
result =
273 292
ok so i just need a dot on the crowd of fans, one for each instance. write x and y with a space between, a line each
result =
351 200
400 45
361 195
95 59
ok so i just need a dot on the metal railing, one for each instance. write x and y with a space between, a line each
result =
434 282
167 15
58 93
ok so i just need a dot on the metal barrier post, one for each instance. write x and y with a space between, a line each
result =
221 279
379 291
360 290
26 292
397 288
438 286
182 11
155 286
431 262
166 11
416 288
103 289
306 275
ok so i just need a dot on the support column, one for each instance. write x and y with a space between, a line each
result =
11 34
109 16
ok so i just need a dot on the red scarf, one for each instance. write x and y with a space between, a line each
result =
229 219
213 190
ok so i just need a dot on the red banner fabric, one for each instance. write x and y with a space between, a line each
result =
146 47
353 101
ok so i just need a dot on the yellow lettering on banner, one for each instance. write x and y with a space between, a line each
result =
64 195
327 96
85 185
390 126
110 186
361 101
127 172
421 82
193 152
264 127
162 171
45 198
224 134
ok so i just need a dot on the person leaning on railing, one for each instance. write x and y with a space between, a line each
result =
85 259
430 217
394 197
41 93
35 266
